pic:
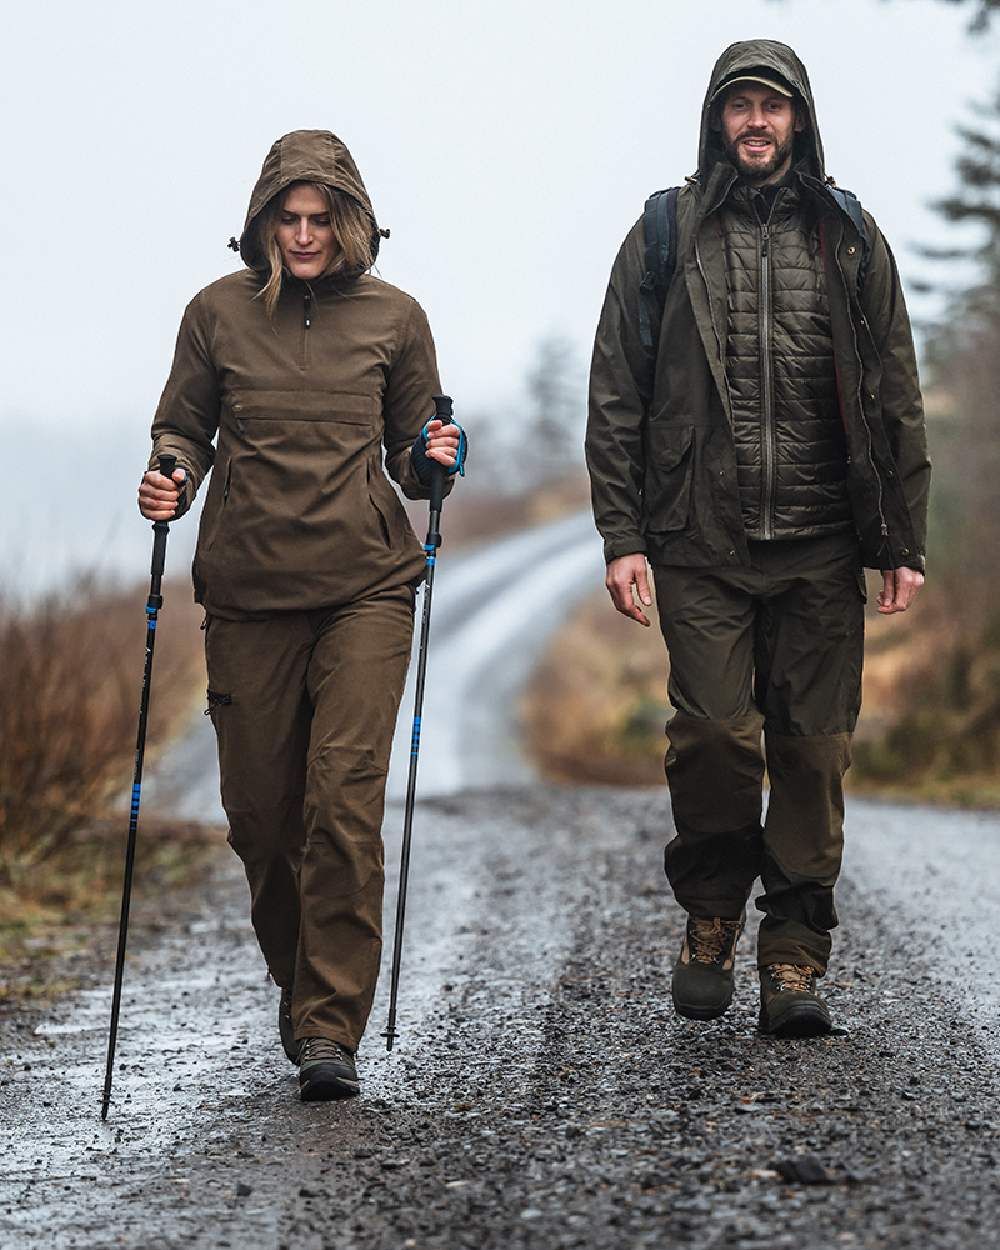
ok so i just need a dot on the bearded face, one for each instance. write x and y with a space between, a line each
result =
758 131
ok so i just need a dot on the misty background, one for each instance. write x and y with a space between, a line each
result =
509 147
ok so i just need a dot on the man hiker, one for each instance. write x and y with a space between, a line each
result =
756 431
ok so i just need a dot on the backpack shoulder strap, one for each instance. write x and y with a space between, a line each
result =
849 203
659 224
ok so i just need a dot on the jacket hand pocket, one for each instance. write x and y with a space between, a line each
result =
667 489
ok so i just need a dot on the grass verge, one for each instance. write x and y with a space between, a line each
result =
52 937
69 698
929 728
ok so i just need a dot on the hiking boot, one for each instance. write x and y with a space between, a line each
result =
285 1030
326 1070
702 983
789 1004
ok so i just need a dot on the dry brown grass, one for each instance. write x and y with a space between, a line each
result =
471 514
69 698
929 730
50 933
595 710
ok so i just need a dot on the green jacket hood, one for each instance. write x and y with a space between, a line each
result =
302 156
761 54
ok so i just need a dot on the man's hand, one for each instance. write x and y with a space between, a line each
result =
899 589
627 581
158 495
442 443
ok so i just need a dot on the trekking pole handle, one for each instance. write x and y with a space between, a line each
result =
167 464
443 413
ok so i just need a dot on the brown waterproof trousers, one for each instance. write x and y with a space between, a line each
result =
304 706
776 646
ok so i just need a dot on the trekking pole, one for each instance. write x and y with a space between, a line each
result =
153 604
443 410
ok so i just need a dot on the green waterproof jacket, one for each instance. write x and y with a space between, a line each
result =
291 414
659 437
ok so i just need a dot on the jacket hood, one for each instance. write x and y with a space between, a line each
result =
761 54
302 156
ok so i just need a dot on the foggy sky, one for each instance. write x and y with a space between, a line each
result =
508 146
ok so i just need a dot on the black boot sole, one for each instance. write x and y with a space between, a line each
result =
327 1087
800 1020
700 1013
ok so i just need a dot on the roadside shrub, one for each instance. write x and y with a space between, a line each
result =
69 696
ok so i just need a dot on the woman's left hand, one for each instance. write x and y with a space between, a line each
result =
442 443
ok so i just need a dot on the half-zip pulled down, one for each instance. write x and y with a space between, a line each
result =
307 301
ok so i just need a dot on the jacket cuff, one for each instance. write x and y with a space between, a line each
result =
917 563
420 461
615 547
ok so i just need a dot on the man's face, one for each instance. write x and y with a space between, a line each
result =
758 130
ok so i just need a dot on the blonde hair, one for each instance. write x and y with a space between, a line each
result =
353 229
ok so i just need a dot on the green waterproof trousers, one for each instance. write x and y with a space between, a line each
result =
775 646
304 706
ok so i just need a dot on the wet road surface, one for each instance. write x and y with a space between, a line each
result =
542 1093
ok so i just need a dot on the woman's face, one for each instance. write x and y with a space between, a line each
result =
304 233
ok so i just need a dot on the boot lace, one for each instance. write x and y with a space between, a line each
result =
708 939
322 1048
793 977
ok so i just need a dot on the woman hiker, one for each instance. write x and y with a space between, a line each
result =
305 365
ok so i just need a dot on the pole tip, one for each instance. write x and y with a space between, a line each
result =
390 1037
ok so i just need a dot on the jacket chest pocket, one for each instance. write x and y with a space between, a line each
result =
268 421
669 470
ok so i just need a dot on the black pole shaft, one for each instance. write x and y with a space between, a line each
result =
431 545
153 603
411 793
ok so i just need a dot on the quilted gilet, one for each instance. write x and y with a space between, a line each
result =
790 446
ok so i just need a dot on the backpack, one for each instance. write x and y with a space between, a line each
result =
659 228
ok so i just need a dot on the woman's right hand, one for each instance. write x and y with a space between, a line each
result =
159 495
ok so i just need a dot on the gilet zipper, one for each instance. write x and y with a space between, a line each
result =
765 322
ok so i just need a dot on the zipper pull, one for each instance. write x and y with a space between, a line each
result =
308 309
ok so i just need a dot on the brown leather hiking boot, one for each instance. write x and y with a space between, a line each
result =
326 1070
702 983
789 1004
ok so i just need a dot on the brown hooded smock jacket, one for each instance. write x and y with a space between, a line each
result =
660 446
299 513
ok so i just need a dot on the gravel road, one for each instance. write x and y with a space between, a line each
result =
542 1092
